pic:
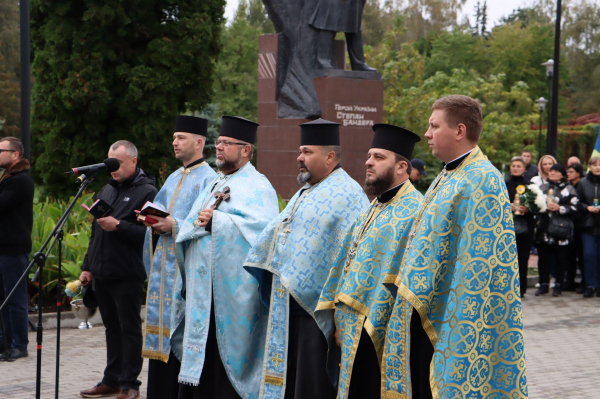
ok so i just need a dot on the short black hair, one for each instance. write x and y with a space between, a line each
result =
400 158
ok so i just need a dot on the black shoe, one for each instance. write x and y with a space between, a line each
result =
580 289
589 292
557 291
5 356
522 295
17 353
544 289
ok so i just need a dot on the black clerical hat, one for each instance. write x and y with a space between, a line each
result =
320 132
191 124
395 139
239 128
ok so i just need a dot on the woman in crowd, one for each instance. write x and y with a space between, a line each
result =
589 194
562 207
523 219
574 174
543 169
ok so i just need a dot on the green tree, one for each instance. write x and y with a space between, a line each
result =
10 109
236 73
581 34
116 69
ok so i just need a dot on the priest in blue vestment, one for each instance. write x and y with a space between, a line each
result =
354 304
177 196
218 325
291 260
456 329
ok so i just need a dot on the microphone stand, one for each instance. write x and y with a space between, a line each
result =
39 258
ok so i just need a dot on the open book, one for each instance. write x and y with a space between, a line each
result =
151 209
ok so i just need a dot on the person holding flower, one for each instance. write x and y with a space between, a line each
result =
516 185
589 193
544 166
554 228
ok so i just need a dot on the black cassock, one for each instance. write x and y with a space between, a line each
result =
214 382
338 15
162 378
307 358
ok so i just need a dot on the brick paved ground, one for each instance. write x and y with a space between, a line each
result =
562 338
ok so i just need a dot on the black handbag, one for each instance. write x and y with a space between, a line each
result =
521 227
560 227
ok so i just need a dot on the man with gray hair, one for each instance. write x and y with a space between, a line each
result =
114 265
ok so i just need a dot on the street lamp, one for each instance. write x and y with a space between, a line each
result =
549 68
549 65
541 102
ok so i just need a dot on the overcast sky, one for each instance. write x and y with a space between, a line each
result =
496 8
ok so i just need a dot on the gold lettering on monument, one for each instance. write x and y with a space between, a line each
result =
355 115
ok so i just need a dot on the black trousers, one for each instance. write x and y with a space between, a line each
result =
421 355
163 378
575 260
523 249
546 253
214 382
366 372
120 303
307 358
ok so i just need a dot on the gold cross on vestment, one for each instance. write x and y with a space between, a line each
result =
154 297
277 360
281 291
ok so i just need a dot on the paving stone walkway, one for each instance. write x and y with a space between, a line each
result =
562 346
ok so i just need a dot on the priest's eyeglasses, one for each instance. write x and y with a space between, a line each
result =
226 143
3 150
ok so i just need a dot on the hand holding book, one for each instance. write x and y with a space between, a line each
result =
155 216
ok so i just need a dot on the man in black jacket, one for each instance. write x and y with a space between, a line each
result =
16 220
114 265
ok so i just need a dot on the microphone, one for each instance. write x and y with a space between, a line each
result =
110 165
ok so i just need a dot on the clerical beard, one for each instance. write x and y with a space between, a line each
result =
304 177
227 164
377 185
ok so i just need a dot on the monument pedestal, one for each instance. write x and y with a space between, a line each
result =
351 98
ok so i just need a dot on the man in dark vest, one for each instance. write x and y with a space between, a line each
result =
331 16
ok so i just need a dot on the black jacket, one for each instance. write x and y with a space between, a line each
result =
530 172
511 186
568 201
588 189
16 209
118 255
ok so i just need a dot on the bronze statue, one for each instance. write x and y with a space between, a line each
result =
332 16
306 30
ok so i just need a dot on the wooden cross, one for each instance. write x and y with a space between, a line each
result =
220 197
277 360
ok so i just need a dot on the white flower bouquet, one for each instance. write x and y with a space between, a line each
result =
534 199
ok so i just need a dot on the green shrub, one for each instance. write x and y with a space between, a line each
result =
77 230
